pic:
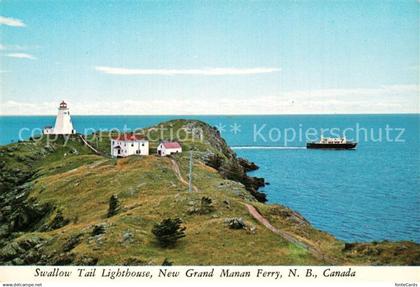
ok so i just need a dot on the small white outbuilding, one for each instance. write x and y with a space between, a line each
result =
167 147
129 144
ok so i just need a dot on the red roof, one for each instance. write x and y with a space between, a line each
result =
128 137
171 145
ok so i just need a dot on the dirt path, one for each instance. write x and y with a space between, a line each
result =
177 171
288 237
88 145
96 163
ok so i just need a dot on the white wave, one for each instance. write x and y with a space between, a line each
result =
268 147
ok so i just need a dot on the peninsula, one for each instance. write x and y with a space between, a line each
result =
68 202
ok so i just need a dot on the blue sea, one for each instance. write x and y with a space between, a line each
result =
371 193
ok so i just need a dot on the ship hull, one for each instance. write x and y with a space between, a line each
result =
331 146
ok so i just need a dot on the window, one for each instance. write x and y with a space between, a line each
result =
132 144
142 144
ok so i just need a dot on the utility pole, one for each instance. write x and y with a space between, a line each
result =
190 175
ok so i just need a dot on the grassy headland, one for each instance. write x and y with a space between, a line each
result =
54 197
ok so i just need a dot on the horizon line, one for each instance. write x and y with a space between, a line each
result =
268 114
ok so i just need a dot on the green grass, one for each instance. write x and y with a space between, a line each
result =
149 191
79 185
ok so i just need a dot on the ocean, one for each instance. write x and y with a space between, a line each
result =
371 193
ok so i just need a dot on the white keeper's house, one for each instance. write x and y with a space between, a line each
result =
168 147
63 124
129 144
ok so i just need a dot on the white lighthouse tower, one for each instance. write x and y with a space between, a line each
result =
63 125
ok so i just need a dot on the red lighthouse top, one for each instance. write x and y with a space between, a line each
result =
63 105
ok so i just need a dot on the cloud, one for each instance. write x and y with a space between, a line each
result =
11 22
402 99
21 56
4 47
380 100
355 93
189 72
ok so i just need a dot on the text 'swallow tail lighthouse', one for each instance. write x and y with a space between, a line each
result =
63 124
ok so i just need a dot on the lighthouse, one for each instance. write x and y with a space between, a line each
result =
63 125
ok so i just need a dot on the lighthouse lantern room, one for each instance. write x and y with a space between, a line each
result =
63 124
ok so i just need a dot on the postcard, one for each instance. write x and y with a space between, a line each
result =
209 143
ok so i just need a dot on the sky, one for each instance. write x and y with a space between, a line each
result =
209 57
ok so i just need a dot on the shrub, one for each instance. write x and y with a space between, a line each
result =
114 206
98 229
215 161
58 221
206 205
168 232
166 262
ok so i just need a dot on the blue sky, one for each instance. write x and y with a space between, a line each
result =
209 57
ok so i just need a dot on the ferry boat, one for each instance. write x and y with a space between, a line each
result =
332 143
